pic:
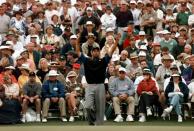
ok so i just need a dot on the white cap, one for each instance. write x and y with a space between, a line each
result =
89 23
25 66
9 43
139 1
133 2
165 32
175 75
142 53
122 69
10 67
115 57
142 33
143 47
159 32
123 2
109 29
53 73
73 37
89 9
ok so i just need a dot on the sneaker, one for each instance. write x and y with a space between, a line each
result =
64 119
168 109
186 113
180 119
164 115
38 118
129 118
23 119
142 118
44 120
149 112
119 118
71 119
105 118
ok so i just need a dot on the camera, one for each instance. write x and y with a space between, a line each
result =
166 76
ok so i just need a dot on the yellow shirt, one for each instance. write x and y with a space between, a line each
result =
23 79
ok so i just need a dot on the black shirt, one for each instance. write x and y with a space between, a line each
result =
95 20
123 18
41 74
95 69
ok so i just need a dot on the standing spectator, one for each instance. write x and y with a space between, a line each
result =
183 16
122 90
123 17
90 17
57 27
50 12
5 20
168 41
32 94
69 46
42 21
87 46
53 91
108 20
95 90
17 22
89 28
136 14
148 19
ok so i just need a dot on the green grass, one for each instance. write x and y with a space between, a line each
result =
149 122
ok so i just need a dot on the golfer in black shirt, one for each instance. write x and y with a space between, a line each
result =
95 68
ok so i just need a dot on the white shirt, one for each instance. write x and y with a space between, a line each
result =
191 19
28 39
49 14
191 89
136 16
158 59
167 80
18 48
108 21
160 14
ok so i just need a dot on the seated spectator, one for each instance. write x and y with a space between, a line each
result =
24 77
148 93
53 91
8 72
108 44
53 65
43 69
176 93
11 88
122 90
74 93
134 69
32 94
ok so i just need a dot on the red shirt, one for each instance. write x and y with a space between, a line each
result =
147 85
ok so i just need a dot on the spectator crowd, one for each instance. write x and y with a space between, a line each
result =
59 53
